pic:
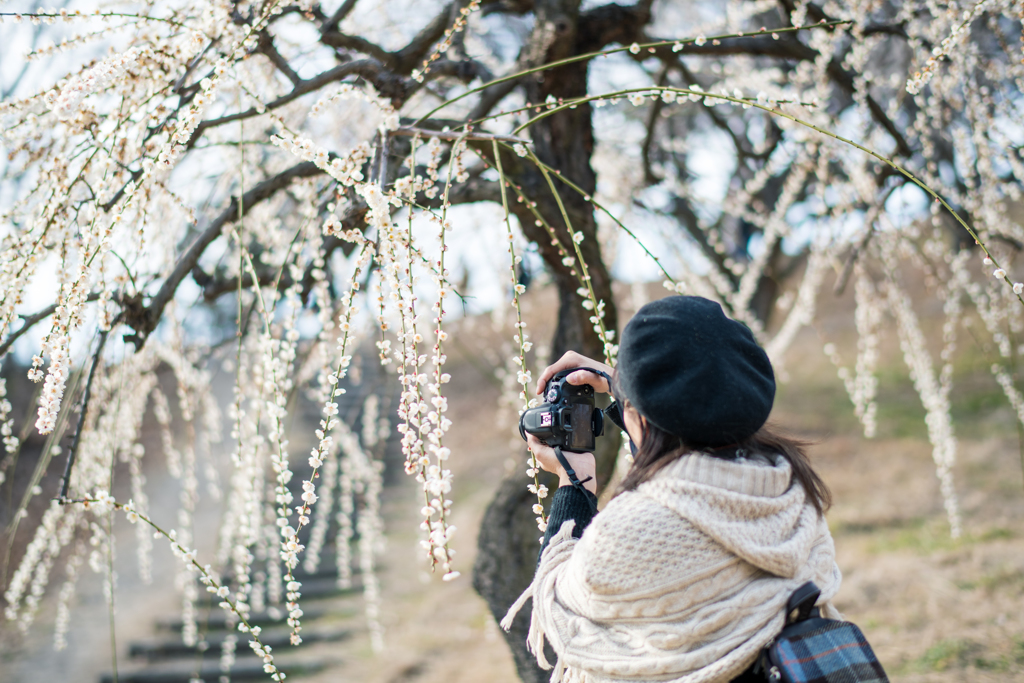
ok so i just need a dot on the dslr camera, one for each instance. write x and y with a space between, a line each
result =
568 419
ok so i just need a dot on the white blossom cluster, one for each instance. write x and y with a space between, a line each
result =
99 77
934 394
1003 321
363 474
206 576
109 435
959 30
460 23
390 118
10 441
803 311
422 405
346 170
26 586
523 378
862 386
578 269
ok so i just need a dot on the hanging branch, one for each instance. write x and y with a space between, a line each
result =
34 319
62 497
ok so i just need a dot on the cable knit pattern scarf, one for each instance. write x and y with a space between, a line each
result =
684 579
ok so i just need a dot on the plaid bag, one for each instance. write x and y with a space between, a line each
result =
815 650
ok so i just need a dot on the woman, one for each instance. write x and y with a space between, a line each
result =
685 574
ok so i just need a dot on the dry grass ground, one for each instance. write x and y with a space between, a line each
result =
935 609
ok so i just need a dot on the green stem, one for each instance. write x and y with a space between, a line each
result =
627 48
209 579
778 112
520 327
598 317
79 15
598 205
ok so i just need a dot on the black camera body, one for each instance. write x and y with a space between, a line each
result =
568 418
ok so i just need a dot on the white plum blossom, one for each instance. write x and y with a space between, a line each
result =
97 78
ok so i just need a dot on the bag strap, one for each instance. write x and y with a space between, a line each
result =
799 608
801 603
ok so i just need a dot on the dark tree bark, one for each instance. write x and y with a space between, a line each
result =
506 559
507 546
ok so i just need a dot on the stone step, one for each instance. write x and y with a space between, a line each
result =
276 638
326 570
312 589
208 671
217 620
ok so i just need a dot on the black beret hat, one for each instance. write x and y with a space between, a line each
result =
694 372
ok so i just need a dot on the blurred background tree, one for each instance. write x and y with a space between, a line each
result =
186 171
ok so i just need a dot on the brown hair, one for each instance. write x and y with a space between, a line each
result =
658 448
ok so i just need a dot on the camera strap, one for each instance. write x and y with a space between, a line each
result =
596 372
575 480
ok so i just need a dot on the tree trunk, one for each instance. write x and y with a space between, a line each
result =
507 546
506 559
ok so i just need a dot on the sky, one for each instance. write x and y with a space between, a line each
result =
477 246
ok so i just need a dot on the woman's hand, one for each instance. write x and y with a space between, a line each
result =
584 464
571 359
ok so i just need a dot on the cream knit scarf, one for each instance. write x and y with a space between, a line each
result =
684 579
